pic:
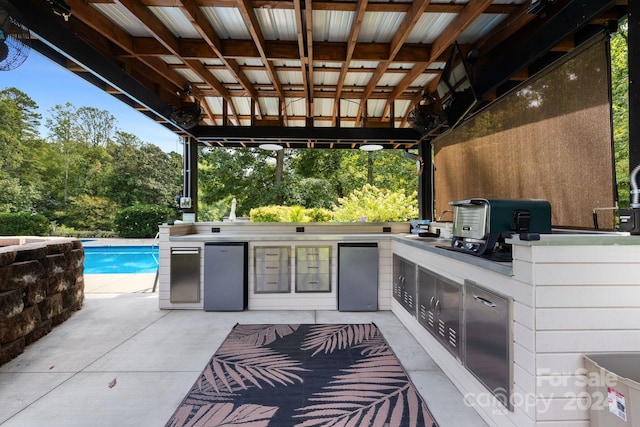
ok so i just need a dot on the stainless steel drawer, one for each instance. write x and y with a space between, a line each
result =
272 283
272 267
318 267
313 282
320 253
272 253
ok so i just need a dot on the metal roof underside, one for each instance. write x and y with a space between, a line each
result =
304 74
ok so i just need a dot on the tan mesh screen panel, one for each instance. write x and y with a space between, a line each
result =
548 139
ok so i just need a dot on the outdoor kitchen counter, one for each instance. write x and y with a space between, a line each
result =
570 295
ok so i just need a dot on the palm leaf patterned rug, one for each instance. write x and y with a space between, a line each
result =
305 376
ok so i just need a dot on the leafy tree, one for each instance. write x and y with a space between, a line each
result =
64 133
620 108
141 173
19 143
246 174
97 127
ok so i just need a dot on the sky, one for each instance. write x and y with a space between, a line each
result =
49 84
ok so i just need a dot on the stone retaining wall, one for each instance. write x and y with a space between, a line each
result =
41 285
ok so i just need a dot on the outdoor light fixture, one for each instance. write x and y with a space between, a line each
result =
270 147
370 147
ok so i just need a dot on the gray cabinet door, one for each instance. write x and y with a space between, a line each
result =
226 276
357 276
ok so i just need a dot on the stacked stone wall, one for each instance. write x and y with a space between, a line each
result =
41 286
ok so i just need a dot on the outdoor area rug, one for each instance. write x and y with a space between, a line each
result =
303 375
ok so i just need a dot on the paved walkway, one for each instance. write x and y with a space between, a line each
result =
121 361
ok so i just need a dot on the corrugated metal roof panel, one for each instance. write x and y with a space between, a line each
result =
269 106
251 62
296 107
212 61
215 106
224 76
357 79
401 106
287 63
228 22
480 27
349 107
375 107
258 77
214 103
290 77
332 25
124 19
243 105
379 27
321 64
323 107
171 60
422 80
390 79
401 65
363 64
429 27
324 78
176 22
277 24
190 75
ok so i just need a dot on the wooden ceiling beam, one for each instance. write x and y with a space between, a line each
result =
308 13
347 6
406 26
288 50
249 15
110 33
352 40
193 12
166 38
306 64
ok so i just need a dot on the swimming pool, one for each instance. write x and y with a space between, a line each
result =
120 259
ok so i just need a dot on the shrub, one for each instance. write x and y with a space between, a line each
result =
378 205
273 213
23 224
296 214
318 215
277 213
140 220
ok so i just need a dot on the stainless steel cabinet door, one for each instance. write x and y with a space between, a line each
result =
488 339
439 302
184 284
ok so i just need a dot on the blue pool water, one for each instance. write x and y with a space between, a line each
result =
120 259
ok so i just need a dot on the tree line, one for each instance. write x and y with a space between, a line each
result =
82 170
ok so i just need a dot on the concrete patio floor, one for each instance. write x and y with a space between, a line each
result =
121 361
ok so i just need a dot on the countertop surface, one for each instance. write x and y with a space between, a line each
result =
430 244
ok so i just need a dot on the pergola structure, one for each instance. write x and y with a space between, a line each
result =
312 73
